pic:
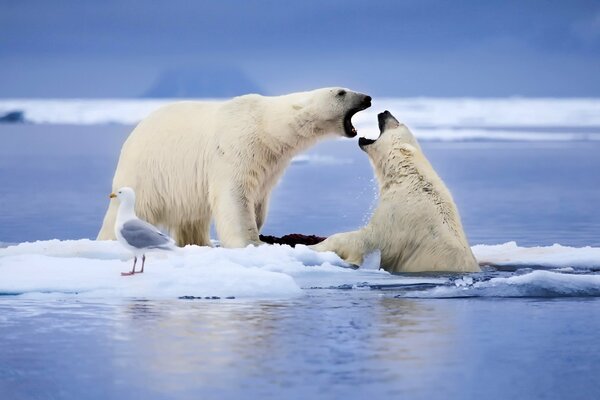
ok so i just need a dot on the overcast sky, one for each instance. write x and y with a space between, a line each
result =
118 48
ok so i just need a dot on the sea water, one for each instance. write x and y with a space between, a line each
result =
522 332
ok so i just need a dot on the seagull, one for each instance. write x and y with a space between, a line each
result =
134 234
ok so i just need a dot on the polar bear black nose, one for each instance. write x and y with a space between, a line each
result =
366 102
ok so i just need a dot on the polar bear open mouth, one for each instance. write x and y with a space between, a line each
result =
349 129
382 119
362 142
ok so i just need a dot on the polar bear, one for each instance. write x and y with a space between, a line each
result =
416 225
195 161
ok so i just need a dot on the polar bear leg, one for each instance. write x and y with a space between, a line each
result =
107 232
235 219
350 246
260 210
194 232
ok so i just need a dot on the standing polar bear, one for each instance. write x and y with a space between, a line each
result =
193 161
416 225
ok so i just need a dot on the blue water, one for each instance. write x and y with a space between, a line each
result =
329 343
55 181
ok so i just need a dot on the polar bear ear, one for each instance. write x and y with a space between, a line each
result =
300 104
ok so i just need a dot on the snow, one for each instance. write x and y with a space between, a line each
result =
470 134
83 111
493 112
432 119
555 256
92 268
317 159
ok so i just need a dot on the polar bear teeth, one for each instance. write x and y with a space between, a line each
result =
349 129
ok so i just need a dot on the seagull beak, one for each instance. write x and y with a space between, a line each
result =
112 195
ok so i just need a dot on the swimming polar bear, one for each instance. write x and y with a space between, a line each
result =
193 161
416 225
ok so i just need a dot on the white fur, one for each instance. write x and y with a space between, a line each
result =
416 225
193 161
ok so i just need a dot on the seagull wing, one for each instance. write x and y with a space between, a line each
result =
143 235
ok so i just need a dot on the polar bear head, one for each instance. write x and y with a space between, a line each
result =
332 109
395 143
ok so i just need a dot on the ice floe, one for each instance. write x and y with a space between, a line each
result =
92 268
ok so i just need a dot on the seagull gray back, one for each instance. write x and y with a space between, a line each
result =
142 235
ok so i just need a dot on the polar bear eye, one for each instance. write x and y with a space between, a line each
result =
341 93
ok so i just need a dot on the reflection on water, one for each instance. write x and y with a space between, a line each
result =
324 345
327 343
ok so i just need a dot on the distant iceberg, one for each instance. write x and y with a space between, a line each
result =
12 117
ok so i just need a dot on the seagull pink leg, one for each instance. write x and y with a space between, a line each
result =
143 261
132 270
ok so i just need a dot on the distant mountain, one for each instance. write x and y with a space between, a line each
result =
202 82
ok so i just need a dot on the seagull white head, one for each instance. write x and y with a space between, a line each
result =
125 195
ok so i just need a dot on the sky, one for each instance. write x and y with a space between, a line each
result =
122 48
